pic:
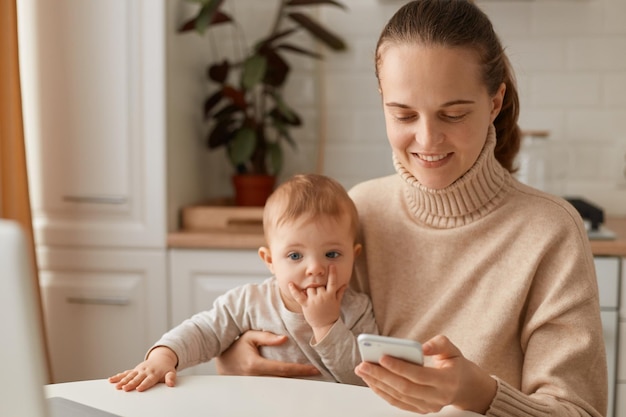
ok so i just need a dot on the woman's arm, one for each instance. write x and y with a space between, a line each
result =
243 358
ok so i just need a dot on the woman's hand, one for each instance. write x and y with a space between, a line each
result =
243 358
160 366
450 379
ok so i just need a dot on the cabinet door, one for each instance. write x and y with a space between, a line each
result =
611 328
620 406
93 94
103 309
607 271
198 277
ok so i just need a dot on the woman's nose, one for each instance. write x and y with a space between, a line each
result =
428 133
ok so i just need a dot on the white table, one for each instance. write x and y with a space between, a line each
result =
230 396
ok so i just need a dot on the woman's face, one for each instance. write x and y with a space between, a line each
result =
437 110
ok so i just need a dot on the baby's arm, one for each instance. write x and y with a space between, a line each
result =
339 349
321 306
159 366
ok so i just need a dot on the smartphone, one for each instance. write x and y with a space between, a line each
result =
373 347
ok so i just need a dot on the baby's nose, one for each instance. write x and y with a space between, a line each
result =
316 267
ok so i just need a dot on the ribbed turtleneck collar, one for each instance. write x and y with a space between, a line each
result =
470 197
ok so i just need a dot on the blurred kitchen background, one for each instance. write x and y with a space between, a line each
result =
113 96
569 60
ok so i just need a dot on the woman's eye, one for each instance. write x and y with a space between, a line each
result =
454 117
294 256
332 254
404 118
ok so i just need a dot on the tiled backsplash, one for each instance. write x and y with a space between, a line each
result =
570 61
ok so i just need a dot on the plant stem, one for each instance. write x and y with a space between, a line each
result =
278 18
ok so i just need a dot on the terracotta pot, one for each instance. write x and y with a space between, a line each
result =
253 189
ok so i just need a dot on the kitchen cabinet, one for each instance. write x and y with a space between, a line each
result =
103 308
620 406
198 277
93 84
608 274
94 115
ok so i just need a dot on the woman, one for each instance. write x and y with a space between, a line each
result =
495 278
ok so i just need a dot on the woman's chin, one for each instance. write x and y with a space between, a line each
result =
434 182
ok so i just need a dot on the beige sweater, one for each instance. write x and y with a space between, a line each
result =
259 307
504 270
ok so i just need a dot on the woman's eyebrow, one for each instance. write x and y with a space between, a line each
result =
446 104
394 104
455 102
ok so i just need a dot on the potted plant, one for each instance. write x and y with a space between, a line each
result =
245 108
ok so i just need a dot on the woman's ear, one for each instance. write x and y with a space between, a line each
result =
266 256
357 249
496 101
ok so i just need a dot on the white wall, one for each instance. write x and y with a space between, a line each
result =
570 60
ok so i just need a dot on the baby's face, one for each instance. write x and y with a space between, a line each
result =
302 251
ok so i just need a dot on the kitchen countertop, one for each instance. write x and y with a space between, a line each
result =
216 239
615 247
252 237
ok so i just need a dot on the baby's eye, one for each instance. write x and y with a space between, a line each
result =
333 254
294 256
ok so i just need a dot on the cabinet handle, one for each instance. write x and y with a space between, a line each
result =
110 301
96 199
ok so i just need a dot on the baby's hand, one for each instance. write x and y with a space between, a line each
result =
321 305
160 366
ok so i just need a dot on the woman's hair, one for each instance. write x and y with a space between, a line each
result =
311 196
460 23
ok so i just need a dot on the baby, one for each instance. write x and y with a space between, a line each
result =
310 226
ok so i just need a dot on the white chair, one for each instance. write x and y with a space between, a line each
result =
23 364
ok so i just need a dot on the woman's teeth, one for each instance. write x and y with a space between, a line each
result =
432 158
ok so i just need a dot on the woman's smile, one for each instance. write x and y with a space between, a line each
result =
432 158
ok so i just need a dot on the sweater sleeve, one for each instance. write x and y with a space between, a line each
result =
511 402
208 333
564 369
339 350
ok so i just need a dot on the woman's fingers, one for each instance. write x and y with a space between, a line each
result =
440 348
398 390
243 358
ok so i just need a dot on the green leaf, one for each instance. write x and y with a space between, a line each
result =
275 158
269 40
253 71
226 112
220 134
211 102
218 17
284 134
320 33
206 15
298 50
242 146
277 68
219 72
287 114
